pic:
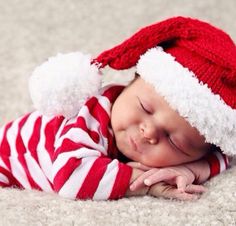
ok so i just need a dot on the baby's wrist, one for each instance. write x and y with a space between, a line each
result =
157 190
139 192
150 190
200 169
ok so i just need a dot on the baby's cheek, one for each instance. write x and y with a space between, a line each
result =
198 155
154 161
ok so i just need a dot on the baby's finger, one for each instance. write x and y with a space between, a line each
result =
194 188
139 165
181 183
144 167
168 191
139 182
160 175
132 164
185 196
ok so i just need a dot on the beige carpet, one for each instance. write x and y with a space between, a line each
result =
31 31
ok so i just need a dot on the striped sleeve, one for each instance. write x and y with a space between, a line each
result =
82 168
24 153
218 162
82 172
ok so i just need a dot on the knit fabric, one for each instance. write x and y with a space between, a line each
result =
76 158
217 162
206 54
207 51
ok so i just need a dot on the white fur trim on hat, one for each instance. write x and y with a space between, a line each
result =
194 101
61 85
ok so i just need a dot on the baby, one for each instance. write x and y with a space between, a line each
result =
167 129
148 131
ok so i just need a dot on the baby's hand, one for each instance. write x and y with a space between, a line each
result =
139 166
170 182
165 190
179 176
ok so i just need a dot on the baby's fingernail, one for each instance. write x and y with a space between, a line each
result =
131 187
181 190
147 182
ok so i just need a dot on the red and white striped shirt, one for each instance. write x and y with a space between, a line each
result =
76 158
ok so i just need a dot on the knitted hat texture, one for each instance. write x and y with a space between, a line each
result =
193 66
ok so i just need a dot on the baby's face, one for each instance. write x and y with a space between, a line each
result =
147 130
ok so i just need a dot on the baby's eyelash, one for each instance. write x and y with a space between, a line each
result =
144 108
172 143
176 147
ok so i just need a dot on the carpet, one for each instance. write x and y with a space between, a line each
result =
30 32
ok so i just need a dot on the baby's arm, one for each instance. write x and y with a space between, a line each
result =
163 189
82 171
209 166
142 190
183 176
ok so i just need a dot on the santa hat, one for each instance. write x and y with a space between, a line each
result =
189 62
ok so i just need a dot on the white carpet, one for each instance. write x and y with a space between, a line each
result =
31 31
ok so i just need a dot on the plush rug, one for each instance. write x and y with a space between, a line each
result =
30 32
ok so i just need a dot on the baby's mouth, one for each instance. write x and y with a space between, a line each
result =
134 145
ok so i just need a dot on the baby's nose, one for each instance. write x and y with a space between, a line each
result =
150 133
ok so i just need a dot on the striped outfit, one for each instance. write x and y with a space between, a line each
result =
76 158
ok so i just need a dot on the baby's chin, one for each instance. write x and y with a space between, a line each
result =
159 163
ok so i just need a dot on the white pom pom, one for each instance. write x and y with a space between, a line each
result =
61 85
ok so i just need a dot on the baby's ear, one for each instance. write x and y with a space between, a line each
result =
62 84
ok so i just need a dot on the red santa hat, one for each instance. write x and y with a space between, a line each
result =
189 62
